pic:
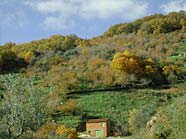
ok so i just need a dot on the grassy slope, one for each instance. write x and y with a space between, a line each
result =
102 104
116 105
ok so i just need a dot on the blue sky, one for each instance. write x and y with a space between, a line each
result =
27 20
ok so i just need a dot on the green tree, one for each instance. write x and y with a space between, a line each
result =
22 109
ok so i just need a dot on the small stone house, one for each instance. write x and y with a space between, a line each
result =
98 127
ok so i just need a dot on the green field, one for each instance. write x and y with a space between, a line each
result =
105 104
116 105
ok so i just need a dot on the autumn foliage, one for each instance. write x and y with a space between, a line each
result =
130 63
52 130
70 133
28 56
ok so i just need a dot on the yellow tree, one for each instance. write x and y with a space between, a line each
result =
28 56
127 62
68 132
52 130
141 68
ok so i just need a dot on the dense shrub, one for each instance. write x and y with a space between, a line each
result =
170 123
52 130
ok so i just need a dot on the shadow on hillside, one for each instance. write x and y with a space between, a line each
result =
128 88
13 66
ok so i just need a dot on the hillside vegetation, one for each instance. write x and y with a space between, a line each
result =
132 73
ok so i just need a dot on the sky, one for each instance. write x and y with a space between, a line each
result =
28 20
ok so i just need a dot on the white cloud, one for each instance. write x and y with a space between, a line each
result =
57 23
129 9
175 5
58 12
11 15
17 19
62 7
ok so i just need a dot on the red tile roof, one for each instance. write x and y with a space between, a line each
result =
97 120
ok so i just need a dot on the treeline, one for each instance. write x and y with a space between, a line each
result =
13 57
154 24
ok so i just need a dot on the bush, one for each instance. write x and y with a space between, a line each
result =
51 130
171 122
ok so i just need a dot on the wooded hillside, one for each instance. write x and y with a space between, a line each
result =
51 76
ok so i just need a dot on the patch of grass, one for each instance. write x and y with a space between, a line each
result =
69 121
104 104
